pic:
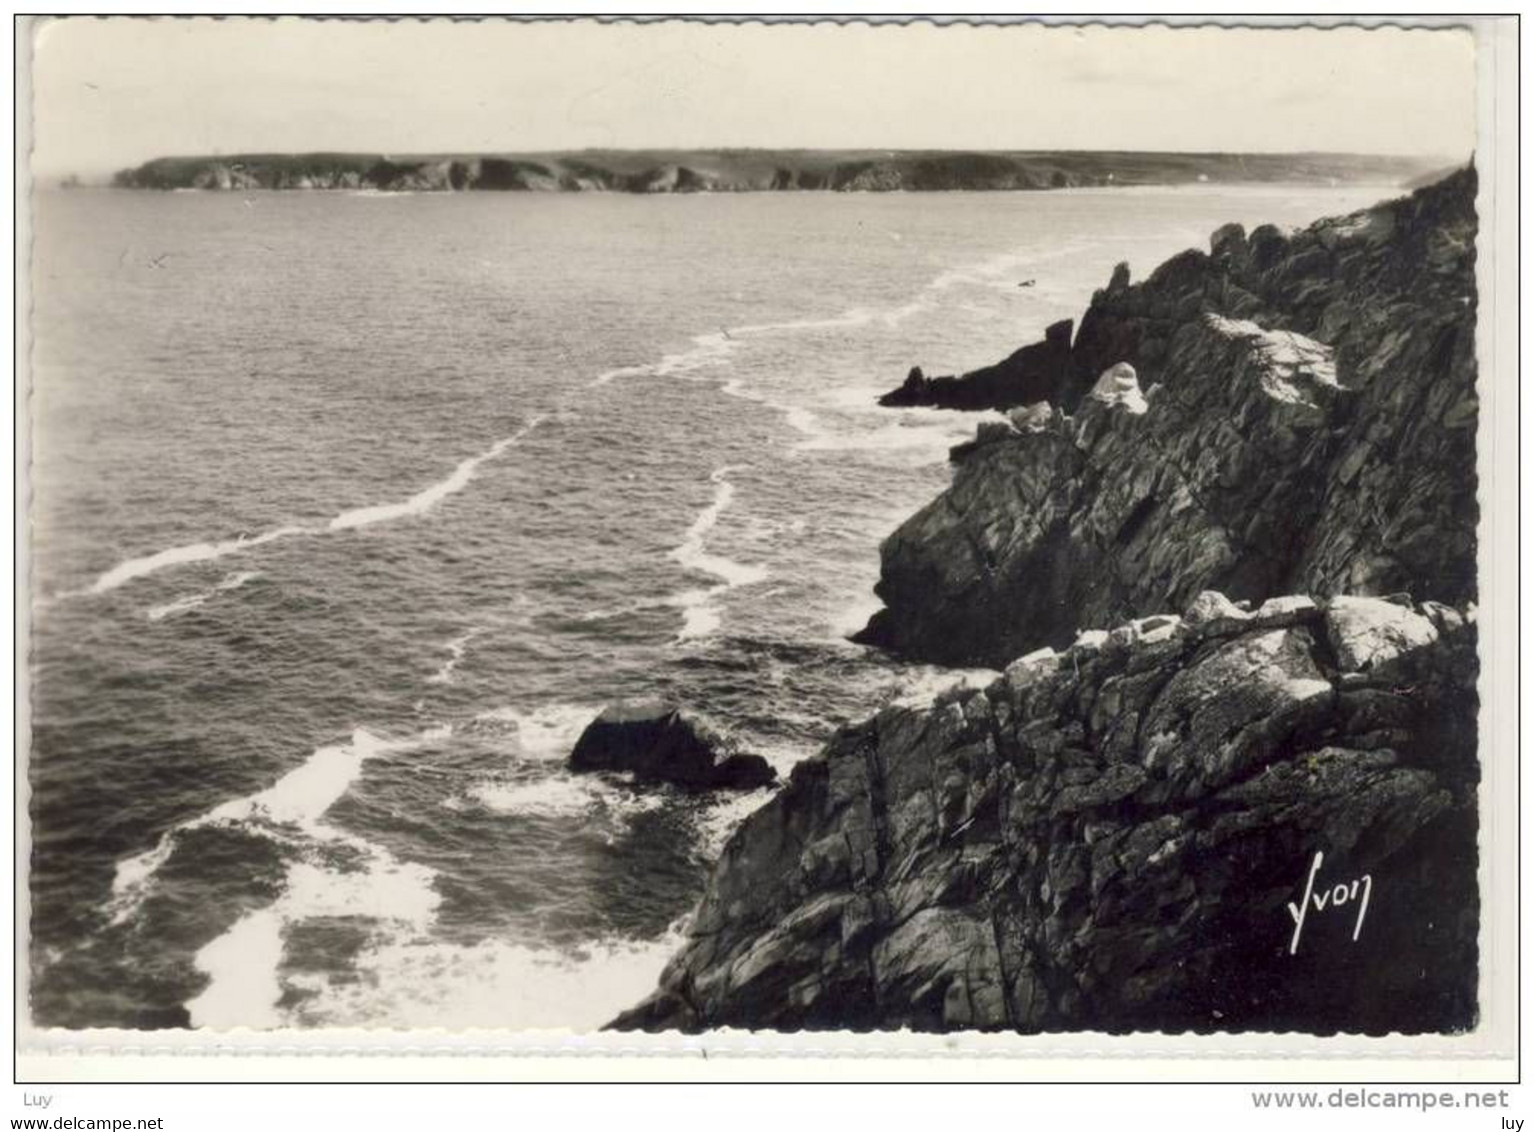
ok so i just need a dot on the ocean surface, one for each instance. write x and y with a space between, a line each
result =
350 510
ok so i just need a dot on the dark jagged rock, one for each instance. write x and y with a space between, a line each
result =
1034 373
1303 420
1123 835
1109 838
659 743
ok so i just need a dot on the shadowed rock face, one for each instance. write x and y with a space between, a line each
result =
1301 419
1032 374
1235 818
1109 838
658 743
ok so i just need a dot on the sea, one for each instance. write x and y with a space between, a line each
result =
350 510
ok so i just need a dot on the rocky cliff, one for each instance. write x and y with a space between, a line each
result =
1112 838
1284 414
1248 814
747 170
1030 375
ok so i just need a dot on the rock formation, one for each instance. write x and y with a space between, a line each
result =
1289 414
1110 838
1257 813
1032 374
658 743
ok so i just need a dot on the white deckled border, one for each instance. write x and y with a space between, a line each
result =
1487 1054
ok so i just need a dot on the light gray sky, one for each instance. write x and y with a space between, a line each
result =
112 93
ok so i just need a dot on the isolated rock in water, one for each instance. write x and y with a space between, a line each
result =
657 742
1110 838
1311 432
1034 373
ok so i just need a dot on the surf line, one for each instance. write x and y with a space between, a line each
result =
456 649
699 615
418 504
713 349
242 963
201 598
709 351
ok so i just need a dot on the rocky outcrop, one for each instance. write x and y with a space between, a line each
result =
1286 414
1031 375
1121 836
745 170
1257 813
659 743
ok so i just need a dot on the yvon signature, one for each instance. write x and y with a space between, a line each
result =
1336 897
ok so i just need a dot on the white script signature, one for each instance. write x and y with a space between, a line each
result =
1329 898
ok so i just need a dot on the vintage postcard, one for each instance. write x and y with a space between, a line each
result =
669 536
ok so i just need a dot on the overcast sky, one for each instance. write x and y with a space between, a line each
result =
113 93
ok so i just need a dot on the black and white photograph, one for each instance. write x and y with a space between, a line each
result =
654 528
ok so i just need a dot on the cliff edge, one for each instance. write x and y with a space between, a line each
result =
1116 838
1285 414
1179 808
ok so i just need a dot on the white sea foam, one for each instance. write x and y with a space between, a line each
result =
897 315
243 964
133 568
721 819
612 612
858 316
555 796
700 617
417 504
797 417
405 976
563 795
855 615
1005 270
926 434
803 421
427 498
609 376
456 649
692 555
244 988
299 798
541 741
547 733
419 982
193 601
708 351
929 442
920 687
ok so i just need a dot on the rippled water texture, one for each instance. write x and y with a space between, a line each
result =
351 510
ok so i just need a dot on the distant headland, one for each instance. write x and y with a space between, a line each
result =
762 170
